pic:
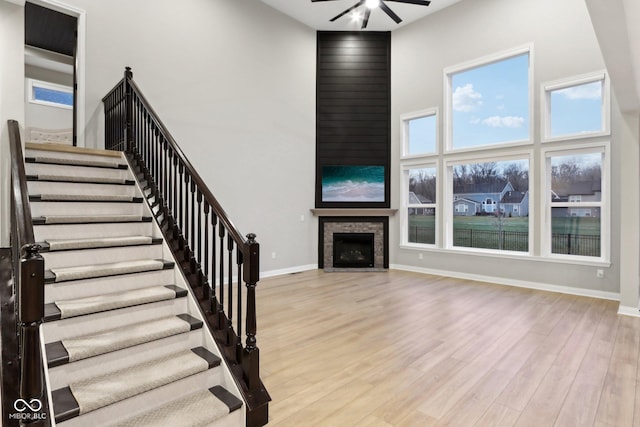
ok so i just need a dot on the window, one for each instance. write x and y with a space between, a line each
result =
576 180
576 107
50 94
421 204
495 197
420 133
488 101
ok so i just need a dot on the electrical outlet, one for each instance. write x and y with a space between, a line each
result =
599 273
420 255
301 218
273 255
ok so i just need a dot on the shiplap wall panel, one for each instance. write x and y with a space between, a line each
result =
353 98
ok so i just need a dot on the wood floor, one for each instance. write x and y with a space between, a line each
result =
406 349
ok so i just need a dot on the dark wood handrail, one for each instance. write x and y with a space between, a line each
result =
19 186
213 255
193 173
28 275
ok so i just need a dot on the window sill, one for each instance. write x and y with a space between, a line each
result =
524 256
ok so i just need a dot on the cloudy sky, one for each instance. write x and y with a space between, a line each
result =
491 103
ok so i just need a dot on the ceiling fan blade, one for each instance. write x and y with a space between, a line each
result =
418 2
365 21
355 6
389 12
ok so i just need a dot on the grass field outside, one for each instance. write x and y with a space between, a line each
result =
570 235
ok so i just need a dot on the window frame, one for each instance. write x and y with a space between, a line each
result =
449 200
545 106
404 129
33 83
604 204
476 63
405 205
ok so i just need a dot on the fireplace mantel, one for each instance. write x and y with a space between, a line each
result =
353 212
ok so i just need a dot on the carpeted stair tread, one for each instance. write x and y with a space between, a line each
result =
93 198
88 219
64 309
77 348
75 162
197 409
64 274
106 242
79 179
111 387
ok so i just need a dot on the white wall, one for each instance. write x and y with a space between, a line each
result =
11 97
44 116
564 45
234 81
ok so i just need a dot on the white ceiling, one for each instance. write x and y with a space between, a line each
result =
317 15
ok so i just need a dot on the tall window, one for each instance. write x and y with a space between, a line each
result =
576 202
489 101
491 204
421 204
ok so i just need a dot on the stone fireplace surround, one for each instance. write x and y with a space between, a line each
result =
374 221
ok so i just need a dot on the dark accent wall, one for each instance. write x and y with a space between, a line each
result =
353 105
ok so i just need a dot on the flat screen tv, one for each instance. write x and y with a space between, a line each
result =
353 184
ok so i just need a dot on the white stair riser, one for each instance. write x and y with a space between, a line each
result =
90 231
61 376
140 403
61 155
90 287
68 170
59 259
89 324
45 187
86 208
234 419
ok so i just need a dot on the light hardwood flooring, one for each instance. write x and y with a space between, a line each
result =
407 349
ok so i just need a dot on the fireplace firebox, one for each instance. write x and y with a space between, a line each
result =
353 250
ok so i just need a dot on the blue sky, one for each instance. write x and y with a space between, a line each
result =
491 105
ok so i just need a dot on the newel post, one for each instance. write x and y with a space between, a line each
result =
251 354
30 315
128 75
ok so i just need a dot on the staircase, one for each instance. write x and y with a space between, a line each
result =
124 337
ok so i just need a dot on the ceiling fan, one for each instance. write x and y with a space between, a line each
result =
369 5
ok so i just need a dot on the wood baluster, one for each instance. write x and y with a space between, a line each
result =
230 290
185 230
165 180
238 336
204 262
192 257
221 321
251 354
174 191
214 297
199 242
180 204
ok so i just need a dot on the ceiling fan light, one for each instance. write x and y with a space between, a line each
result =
372 4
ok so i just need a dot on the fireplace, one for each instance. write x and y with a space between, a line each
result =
353 250
353 243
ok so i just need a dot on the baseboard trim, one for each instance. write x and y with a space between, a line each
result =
289 270
613 296
626 310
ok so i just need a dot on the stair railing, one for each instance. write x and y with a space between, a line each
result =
27 404
215 258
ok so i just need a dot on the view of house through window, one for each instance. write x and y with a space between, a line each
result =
422 205
576 203
487 203
491 205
